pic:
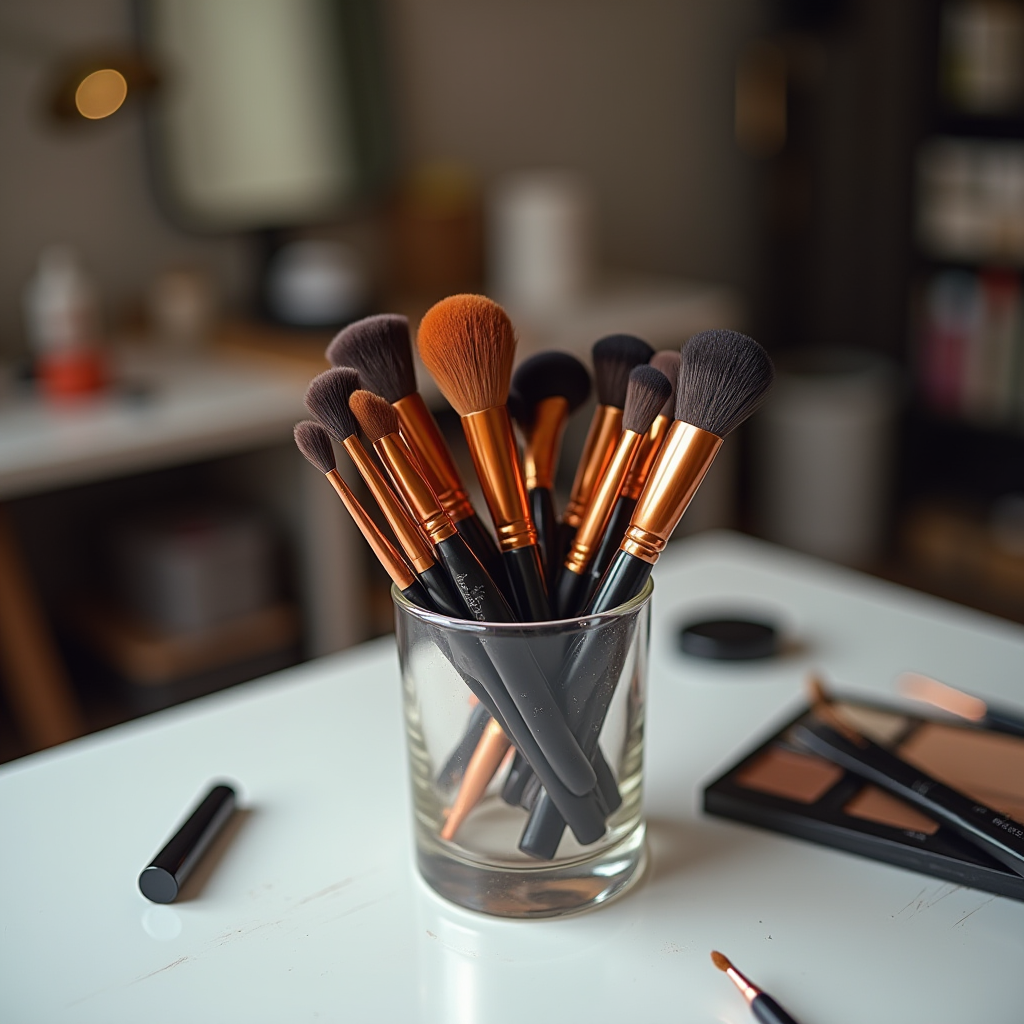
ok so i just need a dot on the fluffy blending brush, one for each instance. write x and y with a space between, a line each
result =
315 444
468 344
762 1006
614 358
380 349
327 398
549 387
483 601
668 363
963 705
646 394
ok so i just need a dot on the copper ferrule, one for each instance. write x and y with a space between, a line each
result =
644 461
749 989
541 456
599 511
387 554
605 428
493 447
678 470
419 498
412 542
431 450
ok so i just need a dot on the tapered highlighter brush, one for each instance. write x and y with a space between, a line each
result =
668 363
468 344
646 394
963 705
549 387
379 347
614 358
829 735
762 1006
482 599
327 399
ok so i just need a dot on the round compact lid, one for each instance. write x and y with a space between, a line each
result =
729 639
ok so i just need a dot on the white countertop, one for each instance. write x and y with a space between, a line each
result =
314 910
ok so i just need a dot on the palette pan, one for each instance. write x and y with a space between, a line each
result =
780 787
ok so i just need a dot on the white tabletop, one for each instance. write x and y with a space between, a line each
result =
314 910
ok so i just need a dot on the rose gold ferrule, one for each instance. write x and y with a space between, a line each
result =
431 450
599 511
602 437
643 463
419 498
493 447
541 456
678 470
388 555
412 542
749 990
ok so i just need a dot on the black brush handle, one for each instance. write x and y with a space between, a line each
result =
479 538
444 598
416 594
455 766
526 579
542 512
566 535
622 513
570 593
1004 720
518 776
767 1011
517 665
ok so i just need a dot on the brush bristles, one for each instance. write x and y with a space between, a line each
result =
327 399
468 344
646 394
376 416
380 349
723 377
668 362
720 960
551 375
614 358
315 443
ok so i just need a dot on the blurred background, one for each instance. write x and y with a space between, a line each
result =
196 194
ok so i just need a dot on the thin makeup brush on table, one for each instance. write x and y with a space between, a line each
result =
646 393
762 1006
379 347
963 705
723 378
468 344
483 600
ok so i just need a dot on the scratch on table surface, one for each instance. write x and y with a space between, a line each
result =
923 902
160 970
326 891
974 911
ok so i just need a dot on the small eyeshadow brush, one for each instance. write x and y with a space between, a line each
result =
963 705
762 1006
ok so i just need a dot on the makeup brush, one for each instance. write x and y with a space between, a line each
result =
762 1006
468 344
315 444
486 760
327 399
723 378
646 393
549 387
614 357
829 735
380 349
668 363
963 705
482 599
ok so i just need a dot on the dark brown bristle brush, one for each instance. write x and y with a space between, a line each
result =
646 394
762 1006
548 388
379 347
327 399
468 344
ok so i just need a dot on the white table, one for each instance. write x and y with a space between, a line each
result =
314 910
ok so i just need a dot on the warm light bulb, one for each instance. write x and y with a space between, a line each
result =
101 93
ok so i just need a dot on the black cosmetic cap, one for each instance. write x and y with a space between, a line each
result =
729 639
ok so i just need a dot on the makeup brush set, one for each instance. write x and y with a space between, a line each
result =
659 422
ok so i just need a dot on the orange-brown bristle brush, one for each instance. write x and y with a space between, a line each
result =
764 1008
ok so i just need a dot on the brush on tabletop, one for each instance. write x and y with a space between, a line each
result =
668 363
614 357
830 736
327 399
646 393
379 347
762 1006
723 378
468 343
963 705
549 387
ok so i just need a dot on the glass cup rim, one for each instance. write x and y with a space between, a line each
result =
576 623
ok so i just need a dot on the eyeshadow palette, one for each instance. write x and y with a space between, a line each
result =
781 787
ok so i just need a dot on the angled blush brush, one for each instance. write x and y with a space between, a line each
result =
468 344
646 393
380 349
327 399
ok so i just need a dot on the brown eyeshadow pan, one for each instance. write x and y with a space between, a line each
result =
790 775
874 804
